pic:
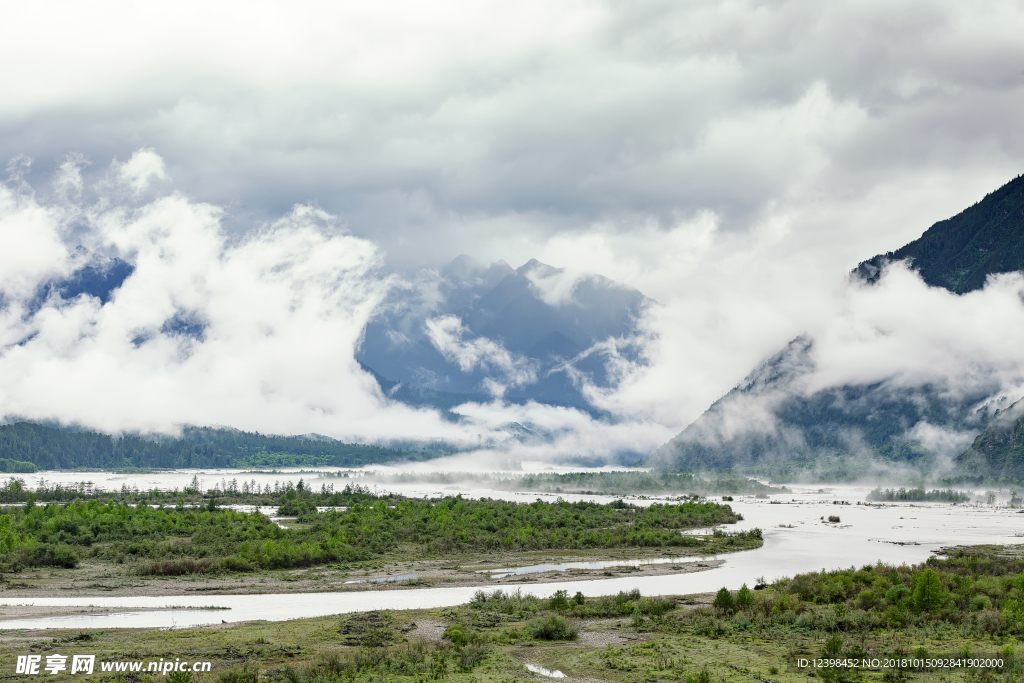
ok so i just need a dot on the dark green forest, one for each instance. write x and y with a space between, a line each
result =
26 446
960 252
917 495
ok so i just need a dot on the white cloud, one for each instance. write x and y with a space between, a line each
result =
554 286
446 334
903 330
141 169
271 323
732 160
30 244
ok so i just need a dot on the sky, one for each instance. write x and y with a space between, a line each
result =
278 167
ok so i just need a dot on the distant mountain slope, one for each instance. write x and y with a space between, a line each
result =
772 422
998 452
768 425
533 333
50 448
960 252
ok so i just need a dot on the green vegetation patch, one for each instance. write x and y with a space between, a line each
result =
171 541
918 494
964 607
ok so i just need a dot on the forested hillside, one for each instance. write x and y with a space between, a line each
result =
998 452
772 423
45 447
960 252
838 433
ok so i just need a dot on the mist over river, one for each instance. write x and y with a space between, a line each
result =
797 538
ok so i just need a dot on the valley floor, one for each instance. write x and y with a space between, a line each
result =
469 644
96 578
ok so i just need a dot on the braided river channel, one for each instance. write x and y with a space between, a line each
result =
797 538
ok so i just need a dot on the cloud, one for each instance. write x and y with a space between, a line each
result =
731 160
446 334
30 244
141 169
260 332
489 128
257 333
906 332
554 286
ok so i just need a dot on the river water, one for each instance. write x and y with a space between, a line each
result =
797 539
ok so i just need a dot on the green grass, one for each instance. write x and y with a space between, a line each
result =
624 638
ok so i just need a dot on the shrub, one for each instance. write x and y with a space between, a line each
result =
49 555
869 599
515 605
247 674
724 601
1013 611
701 676
897 594
552 627
929 595
237 564
655 607
895 616
559 601
460 635
470 656
980 602
182 566
745 597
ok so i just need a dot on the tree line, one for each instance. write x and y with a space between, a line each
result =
27 447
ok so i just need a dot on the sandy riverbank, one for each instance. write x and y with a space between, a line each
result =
106 580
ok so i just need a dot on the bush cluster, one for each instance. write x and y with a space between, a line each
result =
975 591
183 540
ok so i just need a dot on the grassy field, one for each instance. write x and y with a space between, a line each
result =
964 607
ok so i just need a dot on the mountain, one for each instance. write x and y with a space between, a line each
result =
960 252
998 452
471 332
34 446
769 425
778 422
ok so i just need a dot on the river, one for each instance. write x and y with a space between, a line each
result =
798 538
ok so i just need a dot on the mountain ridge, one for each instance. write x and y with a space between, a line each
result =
959 253
998 452
47 447
769 423
548 322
